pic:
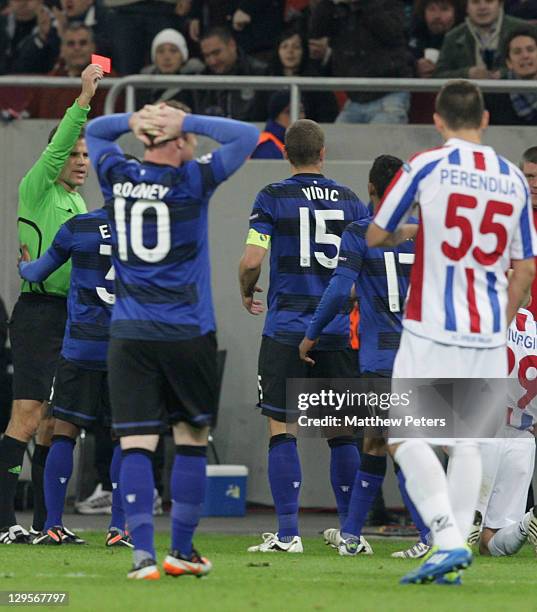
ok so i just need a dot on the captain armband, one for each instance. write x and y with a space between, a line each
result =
257 239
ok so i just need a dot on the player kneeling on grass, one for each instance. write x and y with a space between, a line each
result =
381 297
80 391
162 356
508 462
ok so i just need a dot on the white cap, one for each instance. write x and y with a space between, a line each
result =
173 37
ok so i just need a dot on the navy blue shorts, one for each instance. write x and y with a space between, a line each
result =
155 384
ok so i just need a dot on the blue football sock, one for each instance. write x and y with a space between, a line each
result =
344 463
187 486
118 515
58 470
136 482
415 515
285 478
367 483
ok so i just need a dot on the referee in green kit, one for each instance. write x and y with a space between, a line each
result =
48 197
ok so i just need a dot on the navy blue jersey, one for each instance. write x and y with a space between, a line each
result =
305 215
381 277
160 246
86 240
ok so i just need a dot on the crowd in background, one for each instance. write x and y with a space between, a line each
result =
342 38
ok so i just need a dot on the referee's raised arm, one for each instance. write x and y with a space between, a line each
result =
48 198
48 168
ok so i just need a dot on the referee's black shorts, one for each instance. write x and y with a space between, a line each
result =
36 331
155 384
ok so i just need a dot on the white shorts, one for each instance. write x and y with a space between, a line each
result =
507 473
422 358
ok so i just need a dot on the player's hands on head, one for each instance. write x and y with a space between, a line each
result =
305 347
170 121
91 75
255 307
154 124
146 123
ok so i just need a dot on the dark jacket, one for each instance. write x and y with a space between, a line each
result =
267 17
367 38
35 56
242 104
421 39
502 112
525 9
13 36
457 55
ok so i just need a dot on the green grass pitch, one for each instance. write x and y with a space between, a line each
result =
317 580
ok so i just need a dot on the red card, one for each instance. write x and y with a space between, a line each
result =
104 62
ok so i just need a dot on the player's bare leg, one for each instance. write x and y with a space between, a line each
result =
188 479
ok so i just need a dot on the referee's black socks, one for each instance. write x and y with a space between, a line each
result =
11 458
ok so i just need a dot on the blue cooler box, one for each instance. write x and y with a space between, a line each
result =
226 490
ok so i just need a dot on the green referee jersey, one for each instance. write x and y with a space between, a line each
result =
44 205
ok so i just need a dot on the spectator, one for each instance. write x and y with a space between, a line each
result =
271 142
368 40
291 58
222 56
28 42
474 48
521 60
133 24
208 14
524 9
432 20
169 54
251 21
75 54
88 13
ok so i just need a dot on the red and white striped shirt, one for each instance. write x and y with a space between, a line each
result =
522 364
475 216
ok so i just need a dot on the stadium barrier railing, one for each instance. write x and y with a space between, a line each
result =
295 86
131 83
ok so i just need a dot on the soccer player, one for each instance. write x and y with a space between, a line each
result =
80 394
475 216
302 219
48 197
381 278
162 355
508 462
528 165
